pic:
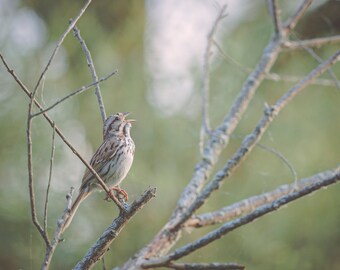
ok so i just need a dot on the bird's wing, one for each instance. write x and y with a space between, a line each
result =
104 153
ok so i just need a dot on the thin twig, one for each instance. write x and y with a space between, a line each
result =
275 13
60 41
277 153
205 266
274 76
316 42
49 180
290 24
320 60
253 138
90 64
282 157
30 171
205 129
76 92
294 79
61 135
98 250
56 239
103 263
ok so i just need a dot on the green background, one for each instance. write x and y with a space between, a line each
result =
304 235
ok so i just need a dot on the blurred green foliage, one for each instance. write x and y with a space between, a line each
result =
305 235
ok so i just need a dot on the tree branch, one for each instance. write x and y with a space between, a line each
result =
60 41
205 266
218 140
50 249
76 92
110 234
290 24
251 140
248 205
61 135
220 137
275 13
274 76
49 181
90 64
232 225
205 129
315 42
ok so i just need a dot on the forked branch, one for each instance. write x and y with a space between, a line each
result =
232 225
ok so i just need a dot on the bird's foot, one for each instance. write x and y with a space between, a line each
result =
119 192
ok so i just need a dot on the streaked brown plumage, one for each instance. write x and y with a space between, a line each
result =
112 160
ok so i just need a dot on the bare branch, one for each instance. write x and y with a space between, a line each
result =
218 140
103 243
232 225
56 239
294 79
282 157
248 205
315 42
290 24
274 76
61 135
205 266
275 13
60 41
206 76
76 92
252 139
49 180
220 137
90 64
30 171
320 60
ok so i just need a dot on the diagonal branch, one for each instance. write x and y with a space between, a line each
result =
324 181
290 24
60 41
98 250
320 60
248 205
274 76
252 139
61 135
90 64
218 140
220 137
76 92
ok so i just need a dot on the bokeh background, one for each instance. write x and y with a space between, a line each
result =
158 47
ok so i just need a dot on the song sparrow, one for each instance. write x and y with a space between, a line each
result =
112 160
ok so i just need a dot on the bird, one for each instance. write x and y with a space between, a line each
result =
112 161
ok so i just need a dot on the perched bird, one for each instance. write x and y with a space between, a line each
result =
112 160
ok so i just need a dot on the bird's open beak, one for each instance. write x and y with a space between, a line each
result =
128 120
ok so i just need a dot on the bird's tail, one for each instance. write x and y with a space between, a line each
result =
81 196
